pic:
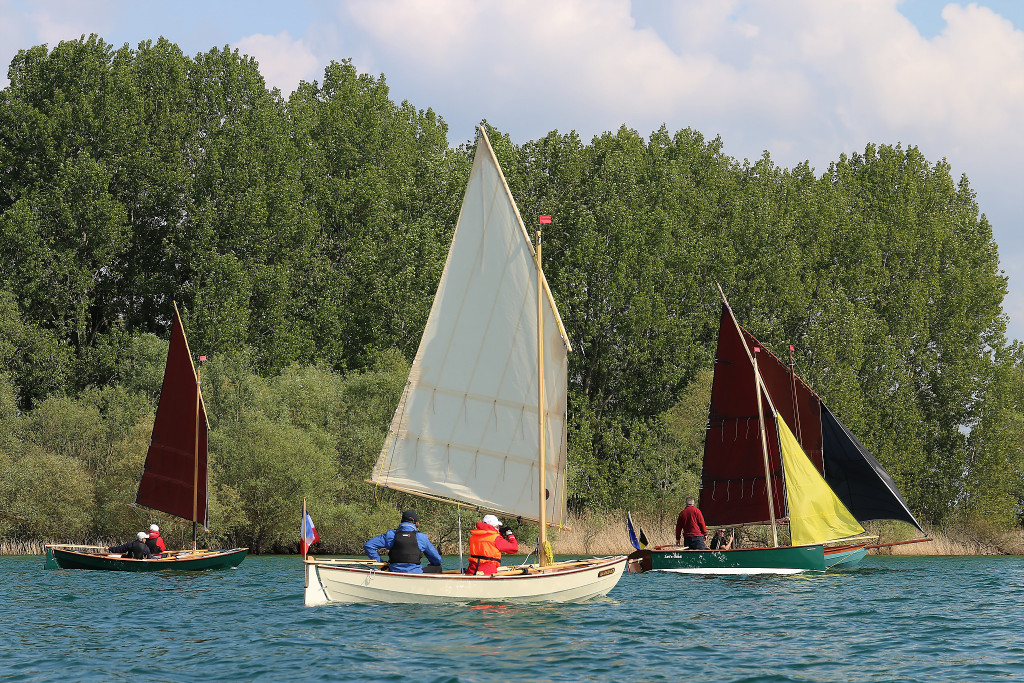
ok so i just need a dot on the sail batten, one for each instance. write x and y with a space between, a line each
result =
467 425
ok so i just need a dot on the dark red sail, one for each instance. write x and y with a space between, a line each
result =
733 482
733 460
174 478
798 405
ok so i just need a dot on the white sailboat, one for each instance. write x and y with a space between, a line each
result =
482 420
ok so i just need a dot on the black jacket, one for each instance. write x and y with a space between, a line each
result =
136 550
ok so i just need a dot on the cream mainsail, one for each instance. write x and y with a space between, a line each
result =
467 425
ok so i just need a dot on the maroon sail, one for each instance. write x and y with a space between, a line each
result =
798 405
174 478
733 482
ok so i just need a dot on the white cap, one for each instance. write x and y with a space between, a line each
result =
492 520
142 535
154 527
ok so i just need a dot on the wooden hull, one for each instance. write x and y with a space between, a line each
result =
571 581
783 560
182 561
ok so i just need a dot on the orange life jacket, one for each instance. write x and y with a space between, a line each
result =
484 556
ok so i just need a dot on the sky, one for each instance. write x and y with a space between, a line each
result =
804 80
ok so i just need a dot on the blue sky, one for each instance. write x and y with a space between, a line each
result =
806 80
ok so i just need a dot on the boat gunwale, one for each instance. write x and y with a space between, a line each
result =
539 573
179 557
679 548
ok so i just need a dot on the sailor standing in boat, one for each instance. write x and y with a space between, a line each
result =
405 546
691 524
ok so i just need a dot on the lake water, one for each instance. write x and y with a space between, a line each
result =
894 619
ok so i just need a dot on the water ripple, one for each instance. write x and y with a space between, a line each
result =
898 618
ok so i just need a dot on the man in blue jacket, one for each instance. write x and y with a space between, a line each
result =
405 546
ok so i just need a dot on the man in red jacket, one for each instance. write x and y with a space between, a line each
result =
487 543
691 524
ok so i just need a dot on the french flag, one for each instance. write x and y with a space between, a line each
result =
308 535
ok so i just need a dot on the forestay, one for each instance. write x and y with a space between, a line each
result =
466 427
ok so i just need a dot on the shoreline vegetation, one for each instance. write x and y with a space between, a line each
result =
303 239
605 534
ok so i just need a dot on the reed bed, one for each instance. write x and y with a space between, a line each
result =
605 534
18 547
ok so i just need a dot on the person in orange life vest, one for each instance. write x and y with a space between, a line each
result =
691 524
155 543
487 543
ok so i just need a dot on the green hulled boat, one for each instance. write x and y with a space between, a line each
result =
758 470
185 560
174 479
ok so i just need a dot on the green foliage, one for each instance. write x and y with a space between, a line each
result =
305 433
303 240
46 495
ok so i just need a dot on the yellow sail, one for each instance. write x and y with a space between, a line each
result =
816 515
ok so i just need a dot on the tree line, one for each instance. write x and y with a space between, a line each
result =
303 239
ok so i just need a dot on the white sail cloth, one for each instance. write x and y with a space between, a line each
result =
467 425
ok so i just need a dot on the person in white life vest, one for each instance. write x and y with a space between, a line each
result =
486 544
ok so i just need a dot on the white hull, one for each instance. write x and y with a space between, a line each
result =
570 581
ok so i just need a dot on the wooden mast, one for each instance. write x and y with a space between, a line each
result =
195 471
542 538
764 450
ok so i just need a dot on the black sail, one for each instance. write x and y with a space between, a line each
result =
858 479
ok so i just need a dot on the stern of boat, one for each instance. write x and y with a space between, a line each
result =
314 594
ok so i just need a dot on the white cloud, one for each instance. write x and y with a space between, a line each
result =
804 79
58 20
283 60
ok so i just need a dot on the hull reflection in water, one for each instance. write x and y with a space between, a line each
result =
341 581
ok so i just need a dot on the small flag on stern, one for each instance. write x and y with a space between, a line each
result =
638 542
308 535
